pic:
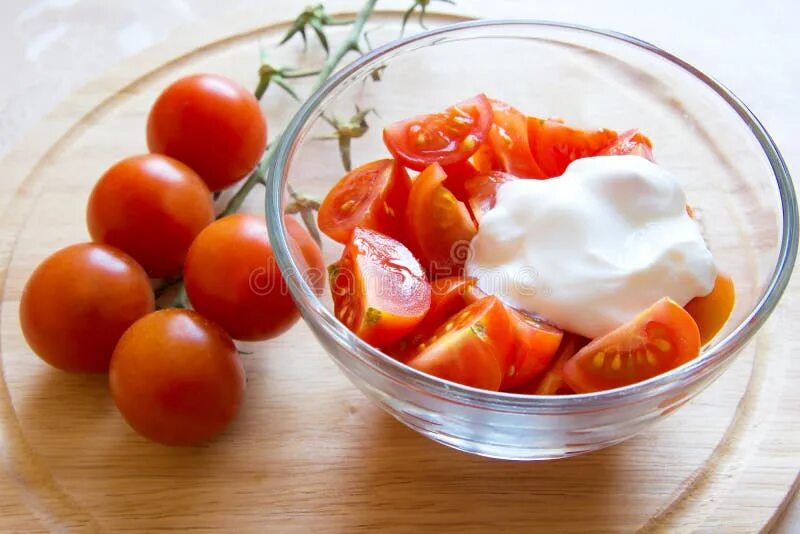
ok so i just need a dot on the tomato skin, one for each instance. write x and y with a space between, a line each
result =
210 123
176 377
555 145
151 207
631 142
535 345
471 348
79 301
550 382
447 138
232 278
439 227
712 311
372 196
662 337
482 191
508 138
314 264
379 288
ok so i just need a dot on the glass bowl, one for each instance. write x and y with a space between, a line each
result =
727 163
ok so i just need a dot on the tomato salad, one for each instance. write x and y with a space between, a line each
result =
401 286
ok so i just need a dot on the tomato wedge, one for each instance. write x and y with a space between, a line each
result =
482 191
508 138
555 145
481 162
712 311
379 289
372 196
438 225
659 339
535 344
551 383
631 142
447 138
472 348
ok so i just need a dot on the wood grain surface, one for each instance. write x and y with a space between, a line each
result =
308 451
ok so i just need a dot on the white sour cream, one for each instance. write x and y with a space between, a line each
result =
592 248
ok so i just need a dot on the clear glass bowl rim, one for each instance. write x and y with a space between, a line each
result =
313 309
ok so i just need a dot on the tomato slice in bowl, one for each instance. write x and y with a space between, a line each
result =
535 345
555 145
438 226
550 382
379 289
712 311
482 191
662 337
508 138
471 348
372 196
631 142
447 138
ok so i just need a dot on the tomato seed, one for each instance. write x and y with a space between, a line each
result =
663 345
598 359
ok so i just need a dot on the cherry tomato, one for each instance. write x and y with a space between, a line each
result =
482 191
448 297
232 278
212 124
176 377
438 226
712 311
447 138
535 345
555 145
379 288
482 161
372 196
662 337
630 142
551 383
472 348
508 137
78 302
151 207
313 266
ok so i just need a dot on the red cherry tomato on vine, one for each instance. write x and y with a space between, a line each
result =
176 377
151 207
210 123
232 278
79 301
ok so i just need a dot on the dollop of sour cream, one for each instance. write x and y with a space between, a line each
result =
592 248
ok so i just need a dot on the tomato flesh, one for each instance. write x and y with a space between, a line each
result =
555 145
438 226
482 191
371 196
508 138
535 345
380 291
712 311
447 138
550 382
471 348
659 339
631 142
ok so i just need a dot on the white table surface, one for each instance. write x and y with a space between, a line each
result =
51 47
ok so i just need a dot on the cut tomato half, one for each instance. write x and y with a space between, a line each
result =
372 196
447 138
555 145
712 311
550 382
659 339
631 142
481 191
379 289
508 138
471 348
535 345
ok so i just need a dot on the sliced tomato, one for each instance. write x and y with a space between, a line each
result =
662 337
447 138
379 288
372 196
448 297
535 344
482 191
481 162
508 138
472 348
631 142
438 225
712 311
555 145
550 382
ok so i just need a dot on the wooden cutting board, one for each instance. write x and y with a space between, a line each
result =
308 451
